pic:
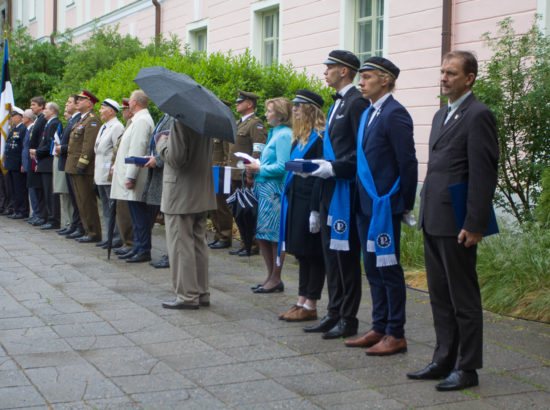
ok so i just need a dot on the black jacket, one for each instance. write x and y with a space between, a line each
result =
14 146
45 159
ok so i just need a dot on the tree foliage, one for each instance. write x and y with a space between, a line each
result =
515 84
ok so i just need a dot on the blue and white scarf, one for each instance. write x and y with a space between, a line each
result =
380 238
298 152
339 211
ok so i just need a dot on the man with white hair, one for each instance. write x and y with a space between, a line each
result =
129 180
44 166
107 137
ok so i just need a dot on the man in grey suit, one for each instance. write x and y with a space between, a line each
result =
463 148
187 193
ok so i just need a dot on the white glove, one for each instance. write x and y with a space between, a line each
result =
325 169
314 222
408 219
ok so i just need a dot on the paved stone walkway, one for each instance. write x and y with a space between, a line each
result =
78 331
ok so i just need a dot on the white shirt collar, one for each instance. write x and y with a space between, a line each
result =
74 115
457 103
344 90
245 117
376 105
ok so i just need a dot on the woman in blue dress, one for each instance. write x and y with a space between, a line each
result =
268 186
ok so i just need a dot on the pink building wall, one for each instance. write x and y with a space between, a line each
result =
311 28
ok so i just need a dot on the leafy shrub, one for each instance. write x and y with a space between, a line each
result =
542 212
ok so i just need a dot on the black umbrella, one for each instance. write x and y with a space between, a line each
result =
183 98
111 227
244 207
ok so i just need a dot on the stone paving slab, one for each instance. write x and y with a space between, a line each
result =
80 332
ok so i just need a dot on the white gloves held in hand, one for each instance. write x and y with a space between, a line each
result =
314 222
325 169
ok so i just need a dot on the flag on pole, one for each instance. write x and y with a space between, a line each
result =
6 100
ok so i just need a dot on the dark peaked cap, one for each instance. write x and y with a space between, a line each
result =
245 95
308 97
343 57
382 64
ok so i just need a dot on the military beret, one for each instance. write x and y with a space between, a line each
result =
308 97
89 96
125 103
112 104
245 95
343 57
16 110
382 64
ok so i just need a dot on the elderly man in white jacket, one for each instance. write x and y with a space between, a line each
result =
108 135
129 180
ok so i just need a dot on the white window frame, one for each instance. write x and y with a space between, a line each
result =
32 10
348 25
543 10
69 3
258 11
195 28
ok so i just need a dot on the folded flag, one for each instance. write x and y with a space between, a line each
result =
222 179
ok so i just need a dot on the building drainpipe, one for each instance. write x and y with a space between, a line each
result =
54 31
446 32
10 12
157 19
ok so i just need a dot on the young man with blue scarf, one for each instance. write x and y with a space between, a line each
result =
335 218
386 188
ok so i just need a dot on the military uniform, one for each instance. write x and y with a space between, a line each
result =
80 164
221 217
251 138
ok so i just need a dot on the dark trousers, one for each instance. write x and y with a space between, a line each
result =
51 200
20 192
387 284
343 269
35 203
5 192
456 302
311 276
141 223
75 222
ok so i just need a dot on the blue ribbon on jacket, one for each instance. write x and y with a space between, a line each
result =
339 210
380 238
298 152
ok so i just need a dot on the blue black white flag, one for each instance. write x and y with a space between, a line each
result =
6 99
222 179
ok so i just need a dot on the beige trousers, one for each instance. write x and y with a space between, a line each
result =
188 255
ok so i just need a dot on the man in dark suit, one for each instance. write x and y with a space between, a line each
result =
463 148
386 186
75 229
34 181
341 248
44 158
12 164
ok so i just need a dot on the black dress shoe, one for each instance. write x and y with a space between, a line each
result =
162 263
16 216
212 242
75 235
219 245
87 239
116 243
121 251
38 222
6 212
324 325
433 371
236 251
344 328
28 218
280 287
179 305
139 257
251 252
49 226
101 244
61 231
458 380
259 285
127 255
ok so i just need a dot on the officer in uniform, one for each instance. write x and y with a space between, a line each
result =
222 220
80 164
251 139
12 164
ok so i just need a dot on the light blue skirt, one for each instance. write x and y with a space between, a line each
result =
269 209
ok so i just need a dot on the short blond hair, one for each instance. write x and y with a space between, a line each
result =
283 108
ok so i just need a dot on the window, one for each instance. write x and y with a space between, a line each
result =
543 10
270 36
197 35
369 28
32 10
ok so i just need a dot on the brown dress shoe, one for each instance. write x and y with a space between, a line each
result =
367 340
301 315
387 346
282 316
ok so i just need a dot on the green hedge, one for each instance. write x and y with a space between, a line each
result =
221 73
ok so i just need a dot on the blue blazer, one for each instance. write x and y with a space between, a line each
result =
388 145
